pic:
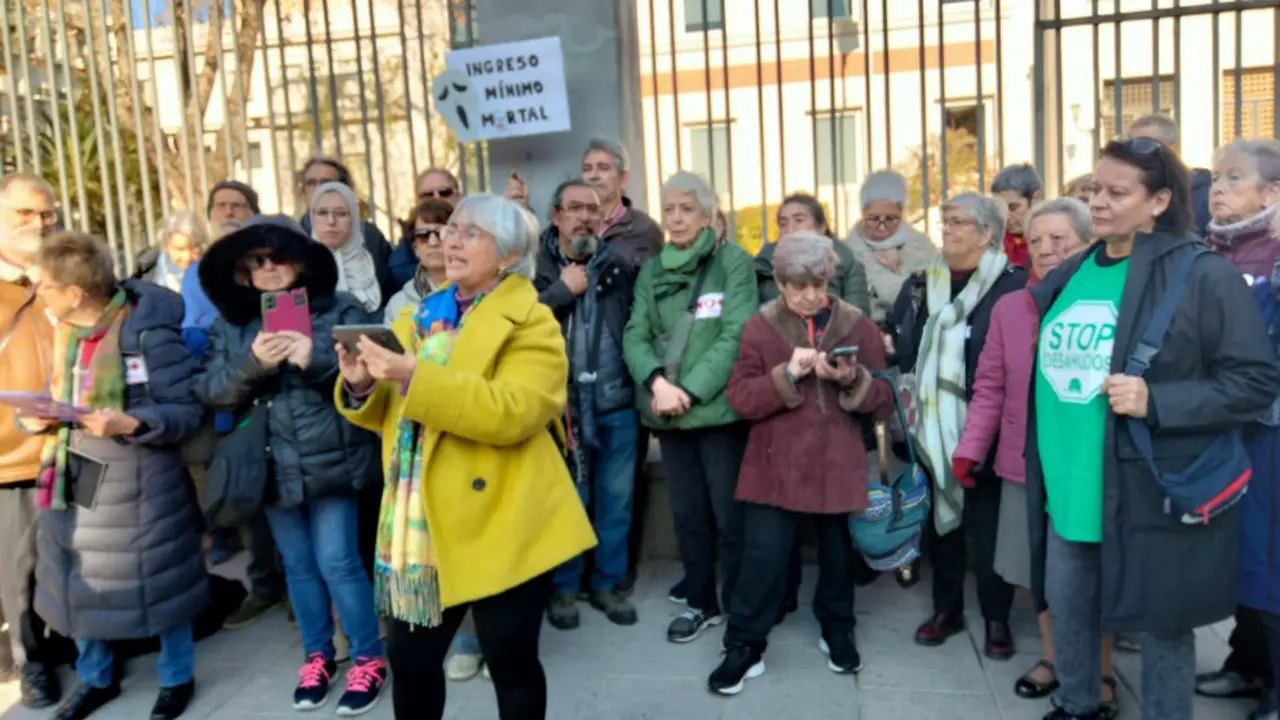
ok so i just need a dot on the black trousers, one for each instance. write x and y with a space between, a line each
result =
948 555
639 507
769 534
1271 625
508 626
1249 651
27 641
702 474
266 576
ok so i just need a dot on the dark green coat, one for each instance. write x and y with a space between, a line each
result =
849 284
663 292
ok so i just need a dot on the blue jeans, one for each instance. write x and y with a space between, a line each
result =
322 569
610 490
176 665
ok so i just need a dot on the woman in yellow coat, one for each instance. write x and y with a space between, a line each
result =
478 507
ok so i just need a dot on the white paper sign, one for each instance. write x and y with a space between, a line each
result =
504 91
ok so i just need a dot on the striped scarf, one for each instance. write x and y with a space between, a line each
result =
940 378
406 581
100 387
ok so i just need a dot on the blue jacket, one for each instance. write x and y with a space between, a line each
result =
199 314
1260 508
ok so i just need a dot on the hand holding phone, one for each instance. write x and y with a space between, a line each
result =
286 311
850 352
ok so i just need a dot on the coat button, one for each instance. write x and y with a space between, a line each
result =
477 484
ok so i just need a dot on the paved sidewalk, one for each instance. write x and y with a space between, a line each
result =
605 672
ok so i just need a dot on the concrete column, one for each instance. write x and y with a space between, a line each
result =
602 69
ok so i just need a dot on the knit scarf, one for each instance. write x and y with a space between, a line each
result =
940 378
100 387
406 582
1221 238
357 274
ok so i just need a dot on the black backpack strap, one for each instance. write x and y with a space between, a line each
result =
1149 346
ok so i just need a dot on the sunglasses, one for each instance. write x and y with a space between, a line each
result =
427 235
1143 146
442 193
257 261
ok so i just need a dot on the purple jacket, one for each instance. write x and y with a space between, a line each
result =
1000 388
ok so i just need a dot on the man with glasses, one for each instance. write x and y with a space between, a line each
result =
232 200
27 216
590 287
438 184
634 235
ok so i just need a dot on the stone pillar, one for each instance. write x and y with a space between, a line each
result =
602 69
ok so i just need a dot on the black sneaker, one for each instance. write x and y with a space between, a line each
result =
679 593
250 611
562 611
84 701
842 653
364 683
689 624
313 682
1060 714
740 662
173 701
617 608
39 688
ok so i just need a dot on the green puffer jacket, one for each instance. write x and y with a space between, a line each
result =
726 301
849 284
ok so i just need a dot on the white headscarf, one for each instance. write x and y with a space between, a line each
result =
356 272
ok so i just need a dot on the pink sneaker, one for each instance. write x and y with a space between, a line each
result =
365 681
313 682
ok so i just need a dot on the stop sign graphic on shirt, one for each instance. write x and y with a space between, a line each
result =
1075 350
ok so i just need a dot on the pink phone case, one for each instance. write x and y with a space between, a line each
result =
286 311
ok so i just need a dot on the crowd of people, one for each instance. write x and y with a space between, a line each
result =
432 493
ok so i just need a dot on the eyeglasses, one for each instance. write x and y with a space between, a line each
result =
575 208
427 235
957 223
46 217
1143 145
881 221
313 183
463 233
442 193
334 215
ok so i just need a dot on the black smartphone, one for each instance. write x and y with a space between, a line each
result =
849 352
349 335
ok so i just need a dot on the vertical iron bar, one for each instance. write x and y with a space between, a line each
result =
157 132
313 94
1037 87
288 111
764 185
1177 64
730 216
96 98
943 165
999 86
1057 89
813 98
364 105
782 123
55 115
333 80
1275 76
706 82
197 113
675 80
113 116
1217 86
382 113
214 38
837 134
888 83
426 90
482 148
657 96
24 55
1239 99
144 161
1097 89
184 136
77 169
408 92
238 87
274 163
924 117
10 76
1155 59
1117 87
981 105
869 68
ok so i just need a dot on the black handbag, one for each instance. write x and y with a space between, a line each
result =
236 481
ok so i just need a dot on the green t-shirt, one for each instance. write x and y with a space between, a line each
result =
1074 358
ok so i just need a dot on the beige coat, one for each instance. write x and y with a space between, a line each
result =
883 284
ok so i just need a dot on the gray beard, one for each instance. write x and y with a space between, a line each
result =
583 246
22 244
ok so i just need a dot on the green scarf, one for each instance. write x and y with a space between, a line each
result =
100 387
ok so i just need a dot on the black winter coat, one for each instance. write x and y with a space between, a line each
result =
315 452
132 566
1214 373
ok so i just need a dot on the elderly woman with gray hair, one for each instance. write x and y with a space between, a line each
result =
939 324
691 302
335 222
478 507
1018 187
888 249
803 380
180 240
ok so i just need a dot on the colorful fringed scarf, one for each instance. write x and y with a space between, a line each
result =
406 583
100 386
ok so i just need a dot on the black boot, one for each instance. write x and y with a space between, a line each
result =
40 687
173 701
85 700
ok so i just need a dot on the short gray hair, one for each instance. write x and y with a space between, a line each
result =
615 150
1077 214
514 228
804 258
183 222
30 180
684 182
1165 127
988 212
1021 179
1265 155
884 186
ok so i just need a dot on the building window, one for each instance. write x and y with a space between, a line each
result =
829 8
1136 100
835 142
462 22
710 147
702 15
253 156
1257 104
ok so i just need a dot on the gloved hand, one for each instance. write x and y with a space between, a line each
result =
963 469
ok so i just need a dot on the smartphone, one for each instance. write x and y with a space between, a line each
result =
286 310
849 352
349 336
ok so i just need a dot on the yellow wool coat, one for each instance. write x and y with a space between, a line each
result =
500 505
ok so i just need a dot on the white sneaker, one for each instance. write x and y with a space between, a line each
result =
462 666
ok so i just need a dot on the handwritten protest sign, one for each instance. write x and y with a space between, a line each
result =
504 91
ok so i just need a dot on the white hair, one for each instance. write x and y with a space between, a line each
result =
514 228
183 222
684 182
987 212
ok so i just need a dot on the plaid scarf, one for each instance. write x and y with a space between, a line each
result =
100 386
406 583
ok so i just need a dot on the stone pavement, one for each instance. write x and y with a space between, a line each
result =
605 672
